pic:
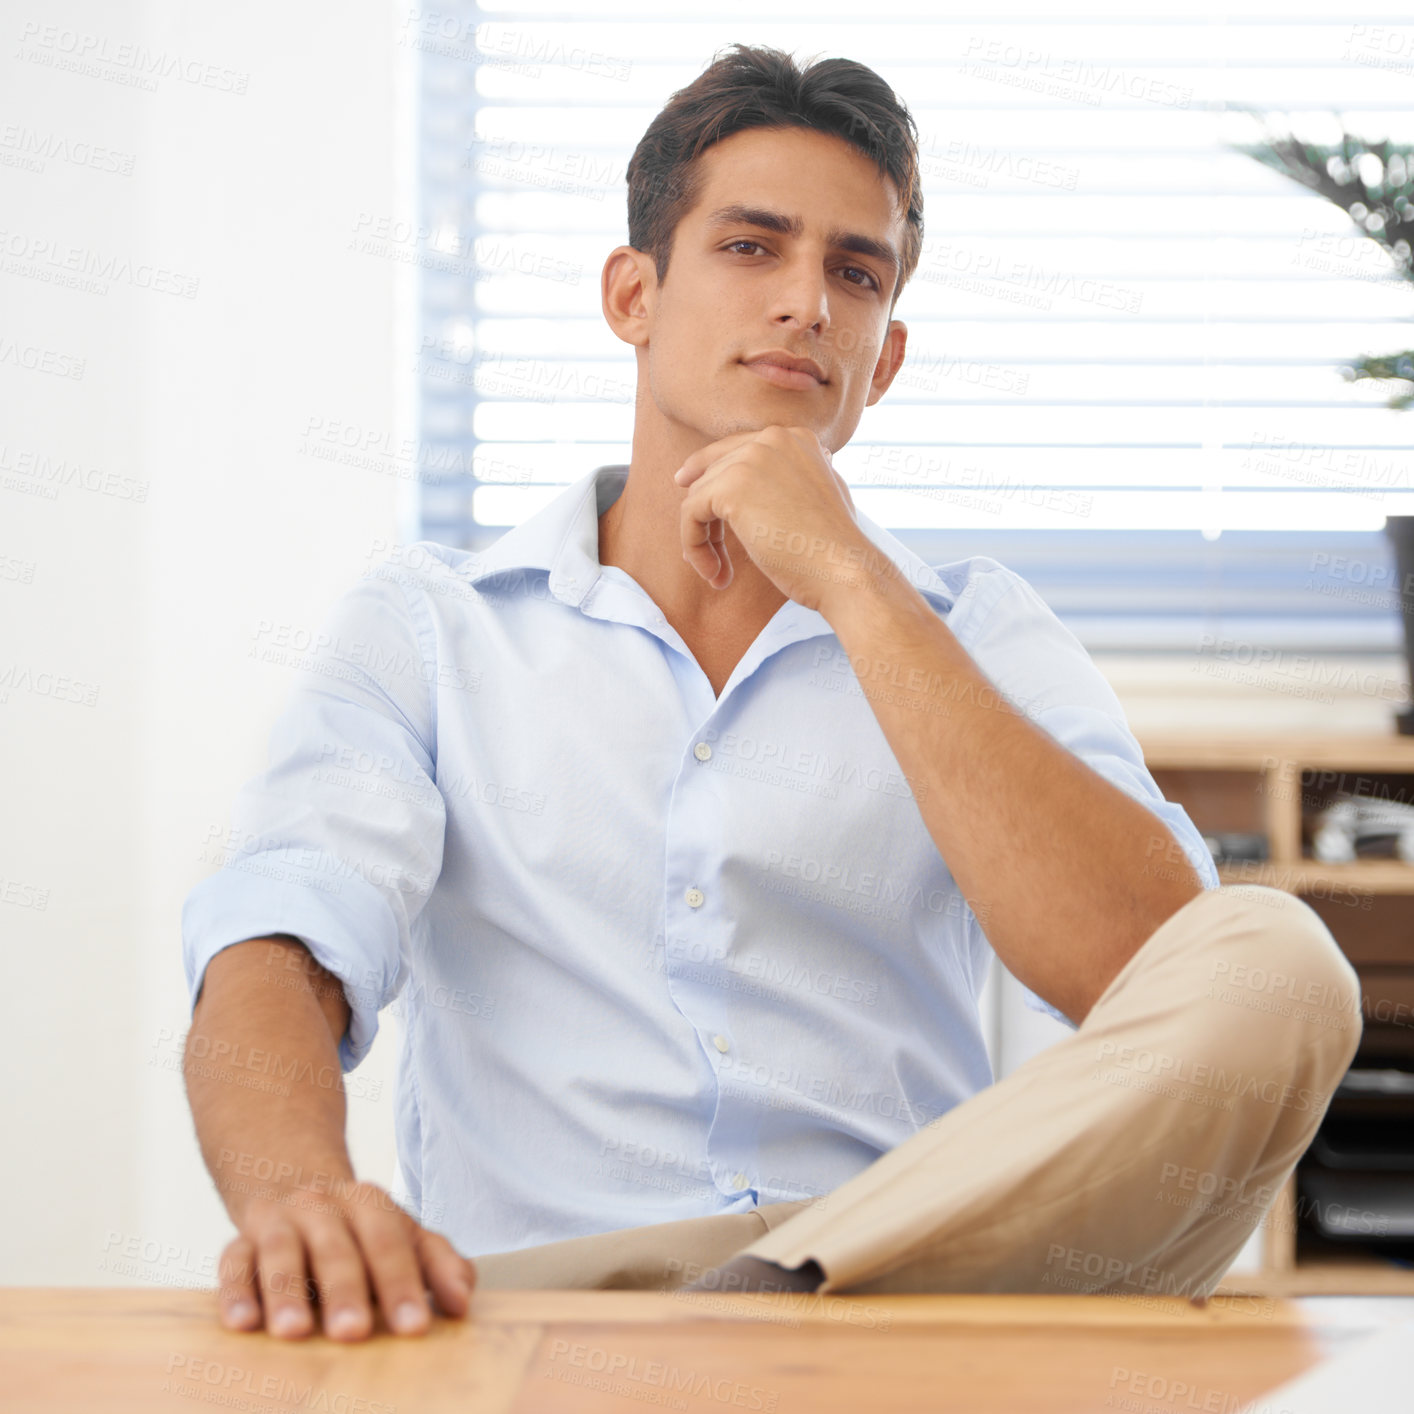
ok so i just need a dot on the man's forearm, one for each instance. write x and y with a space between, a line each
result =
1058 864
263 1074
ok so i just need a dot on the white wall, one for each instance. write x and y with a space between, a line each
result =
156 601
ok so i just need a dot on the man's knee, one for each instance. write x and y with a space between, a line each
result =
1276 958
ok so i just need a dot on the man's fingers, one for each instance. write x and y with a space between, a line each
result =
703 457
240 1305
709 557
716 543
703 537
451 1276
343 1285
369 1251
386 1239
283 1281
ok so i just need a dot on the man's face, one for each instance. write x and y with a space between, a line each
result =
790 251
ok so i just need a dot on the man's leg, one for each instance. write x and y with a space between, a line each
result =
660 1257
1137 1154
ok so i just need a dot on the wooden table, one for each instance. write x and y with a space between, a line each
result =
91 1351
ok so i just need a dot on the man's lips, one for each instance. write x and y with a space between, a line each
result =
786 371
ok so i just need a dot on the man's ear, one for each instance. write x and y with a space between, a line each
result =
628 288
890 361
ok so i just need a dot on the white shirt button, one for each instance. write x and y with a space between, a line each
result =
740 1180
695 898
702 751
721 1043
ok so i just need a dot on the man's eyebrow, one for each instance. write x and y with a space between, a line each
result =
759 216
864 245
764 219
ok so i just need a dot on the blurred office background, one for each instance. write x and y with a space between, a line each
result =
282 289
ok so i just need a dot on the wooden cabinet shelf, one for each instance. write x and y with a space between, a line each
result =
1369 752
1270 786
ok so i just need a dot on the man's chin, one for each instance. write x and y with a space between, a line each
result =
758 422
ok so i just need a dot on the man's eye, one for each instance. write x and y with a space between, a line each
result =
867 280
755 245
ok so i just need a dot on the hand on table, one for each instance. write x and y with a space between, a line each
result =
305 1246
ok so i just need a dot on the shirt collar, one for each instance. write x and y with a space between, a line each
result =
562 538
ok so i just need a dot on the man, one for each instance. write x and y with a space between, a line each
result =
684 821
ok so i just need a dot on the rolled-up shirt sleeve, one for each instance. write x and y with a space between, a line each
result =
339 842
1043 670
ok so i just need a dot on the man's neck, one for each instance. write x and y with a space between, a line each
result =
641 534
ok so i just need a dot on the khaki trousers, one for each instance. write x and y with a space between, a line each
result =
1137 1154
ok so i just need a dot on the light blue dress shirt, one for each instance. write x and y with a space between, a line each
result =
658 954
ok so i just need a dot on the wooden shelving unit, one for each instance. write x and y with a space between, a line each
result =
1264 784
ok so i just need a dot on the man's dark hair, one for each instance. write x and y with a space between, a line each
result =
749 87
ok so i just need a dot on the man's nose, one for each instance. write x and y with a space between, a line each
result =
802 300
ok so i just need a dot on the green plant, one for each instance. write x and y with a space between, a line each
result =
1373 182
